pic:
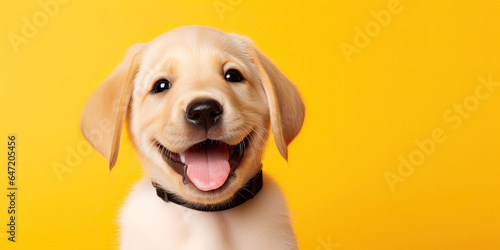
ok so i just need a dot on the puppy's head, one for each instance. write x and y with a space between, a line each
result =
199 103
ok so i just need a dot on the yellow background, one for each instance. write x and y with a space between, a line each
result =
362 116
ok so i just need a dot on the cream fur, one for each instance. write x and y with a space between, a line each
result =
147 222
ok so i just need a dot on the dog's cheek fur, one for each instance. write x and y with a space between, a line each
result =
147 120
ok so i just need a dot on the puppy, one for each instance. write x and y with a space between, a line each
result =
199 103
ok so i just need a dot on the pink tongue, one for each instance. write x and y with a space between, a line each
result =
208 167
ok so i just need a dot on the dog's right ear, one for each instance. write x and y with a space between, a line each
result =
286 107
102 117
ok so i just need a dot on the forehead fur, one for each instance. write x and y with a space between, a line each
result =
196 43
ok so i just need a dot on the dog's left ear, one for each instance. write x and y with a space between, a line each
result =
104 113
286 107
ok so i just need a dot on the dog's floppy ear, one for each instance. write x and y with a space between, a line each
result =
102 117
285 103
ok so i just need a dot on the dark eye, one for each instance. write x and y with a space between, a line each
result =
161 85
233 75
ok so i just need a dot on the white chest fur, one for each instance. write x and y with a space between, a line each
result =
147 222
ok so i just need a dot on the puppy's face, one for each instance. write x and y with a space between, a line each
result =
200 102
199 115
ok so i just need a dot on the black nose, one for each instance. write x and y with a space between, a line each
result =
204 114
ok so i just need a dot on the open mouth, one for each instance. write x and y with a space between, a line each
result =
208 165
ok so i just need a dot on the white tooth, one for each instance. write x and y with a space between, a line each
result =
182 157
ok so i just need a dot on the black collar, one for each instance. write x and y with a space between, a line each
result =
245 193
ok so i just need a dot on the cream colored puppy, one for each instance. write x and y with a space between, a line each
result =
199 103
